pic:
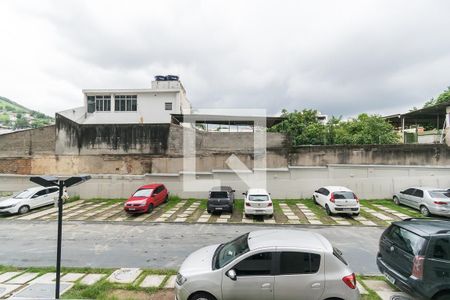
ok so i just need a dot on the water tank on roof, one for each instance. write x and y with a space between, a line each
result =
172 77
160 78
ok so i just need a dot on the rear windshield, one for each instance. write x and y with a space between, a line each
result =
343 195
143 193
258 198
338 254
440 194
218 195
406 240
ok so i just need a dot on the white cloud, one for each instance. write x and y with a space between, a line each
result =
341 57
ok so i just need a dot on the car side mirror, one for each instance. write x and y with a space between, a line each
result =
245 194
402 192
231 274
233 191
316 191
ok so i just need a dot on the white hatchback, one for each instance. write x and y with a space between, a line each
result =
258 202
337 200
29 199
266 265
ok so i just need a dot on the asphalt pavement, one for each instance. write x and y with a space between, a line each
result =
156 245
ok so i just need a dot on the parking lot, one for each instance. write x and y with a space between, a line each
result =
301 211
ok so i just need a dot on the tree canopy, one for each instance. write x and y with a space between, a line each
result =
304 128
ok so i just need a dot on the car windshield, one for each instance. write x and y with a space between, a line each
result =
343 195
143 193
440 194
218 195
258 197
23 195
227 252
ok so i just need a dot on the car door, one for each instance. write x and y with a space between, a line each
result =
52 196
323 196
437 265
38 198
405 196
416 198
254 280
299 273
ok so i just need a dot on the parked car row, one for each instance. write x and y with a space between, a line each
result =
428 200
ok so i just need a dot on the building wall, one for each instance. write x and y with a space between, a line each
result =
369 182
150 109
28 142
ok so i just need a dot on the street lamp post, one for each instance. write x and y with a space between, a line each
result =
48 181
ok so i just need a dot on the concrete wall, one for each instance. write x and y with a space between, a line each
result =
28 142
369 182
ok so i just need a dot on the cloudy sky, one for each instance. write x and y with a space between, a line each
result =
340 57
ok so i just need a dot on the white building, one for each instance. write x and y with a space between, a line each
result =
133 106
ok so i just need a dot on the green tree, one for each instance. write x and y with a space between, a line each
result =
4 119
303 127
442 98
21 123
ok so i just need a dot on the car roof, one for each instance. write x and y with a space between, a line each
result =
37 188
425 227
427 188
334 188
288 239
221 188
150 186
257 192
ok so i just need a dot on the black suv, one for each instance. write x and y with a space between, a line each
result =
221 198
414 255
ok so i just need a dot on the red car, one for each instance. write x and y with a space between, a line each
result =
146 198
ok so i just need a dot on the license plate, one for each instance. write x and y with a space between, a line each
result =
259 210
389 278
218 208
132 208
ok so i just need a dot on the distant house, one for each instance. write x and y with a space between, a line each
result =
132 106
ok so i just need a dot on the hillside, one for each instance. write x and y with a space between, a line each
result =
14 116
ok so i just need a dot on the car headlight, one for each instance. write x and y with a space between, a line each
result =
180 279
142 204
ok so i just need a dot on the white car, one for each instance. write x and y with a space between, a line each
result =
29 199
267 264
258 202
337 200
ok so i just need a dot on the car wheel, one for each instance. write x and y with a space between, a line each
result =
150 208
355 215
24 209
202 296
270 216
231 210
166 200
327 209
247 216
396 201
209 211
314 199
425 211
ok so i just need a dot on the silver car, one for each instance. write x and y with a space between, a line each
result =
267 264
428 200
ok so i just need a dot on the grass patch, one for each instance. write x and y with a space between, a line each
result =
318 210
390 204
173 200
106 200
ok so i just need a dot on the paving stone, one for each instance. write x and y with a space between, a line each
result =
368 223
270 221
221 220
343 222
72 277
91 279
290 213
125 275
8 275
309 214
6 289
293 217
24 278
393 296
166 215
224 216
160 220
378 285
41 291
362 289
202 220
152 281
245 220
180 220
46 278
382 217
294 221
315 222
183 215
170 283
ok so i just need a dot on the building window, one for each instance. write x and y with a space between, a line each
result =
168 105
125 103
99 103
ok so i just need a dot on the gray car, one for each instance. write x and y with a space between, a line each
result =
267 264
429 200
221 198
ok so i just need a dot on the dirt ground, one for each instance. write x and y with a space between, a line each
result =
135 295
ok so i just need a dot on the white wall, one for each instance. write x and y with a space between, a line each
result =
368 182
